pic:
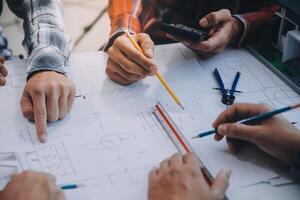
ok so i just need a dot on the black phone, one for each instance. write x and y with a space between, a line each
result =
184 31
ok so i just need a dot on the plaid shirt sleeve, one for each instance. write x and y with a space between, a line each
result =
254 20
123 15
47 45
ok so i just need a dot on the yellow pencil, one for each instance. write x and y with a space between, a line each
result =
158 74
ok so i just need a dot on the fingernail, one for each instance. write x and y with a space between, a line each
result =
203 22
169 36
150 52
222 129
43 138
186 43
227 172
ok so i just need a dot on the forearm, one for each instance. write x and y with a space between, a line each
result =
47 45
253 22
123 15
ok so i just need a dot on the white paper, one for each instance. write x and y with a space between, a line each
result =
111 140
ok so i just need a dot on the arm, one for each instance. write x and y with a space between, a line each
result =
126 64
48 94
45 39
123 15
253 21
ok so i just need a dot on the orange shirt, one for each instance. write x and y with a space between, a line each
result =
140 15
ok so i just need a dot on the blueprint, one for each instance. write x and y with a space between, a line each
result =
111 139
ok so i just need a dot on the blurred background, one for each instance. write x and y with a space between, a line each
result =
86 22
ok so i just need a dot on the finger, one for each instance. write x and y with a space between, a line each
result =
125 46
191 159
164 166
221 184
117 78
40 116
59 194
63 105
71 99
50 177
239 111
153 176
3 70
215 18
212 44
27 106
116 68
2 80
235 145
241 131
129 69
146 44
204 48
52 106
176 160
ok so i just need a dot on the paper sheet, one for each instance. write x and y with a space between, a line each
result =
111 140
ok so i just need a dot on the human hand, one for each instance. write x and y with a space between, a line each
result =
126 64
181 178
47 95
3 72
225 29
276 136
32 186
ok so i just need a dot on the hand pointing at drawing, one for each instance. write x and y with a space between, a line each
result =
275 136
48 96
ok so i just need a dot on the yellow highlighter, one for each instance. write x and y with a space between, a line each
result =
158 74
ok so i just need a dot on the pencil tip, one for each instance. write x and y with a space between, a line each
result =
195 137
181 106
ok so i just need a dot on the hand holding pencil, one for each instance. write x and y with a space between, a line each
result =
126 64
275 136
157 73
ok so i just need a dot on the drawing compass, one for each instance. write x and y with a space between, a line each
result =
228 97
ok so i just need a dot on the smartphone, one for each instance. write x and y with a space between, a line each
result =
184 31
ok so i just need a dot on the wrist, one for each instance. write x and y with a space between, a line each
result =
113 38
237 30
43 71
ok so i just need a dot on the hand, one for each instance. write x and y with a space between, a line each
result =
275 136
32 186
48 96
225 29
126 64
3 72
181 178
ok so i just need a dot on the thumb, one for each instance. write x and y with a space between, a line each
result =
221 183
239 131
215 18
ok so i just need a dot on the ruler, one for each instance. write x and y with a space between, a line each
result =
176 136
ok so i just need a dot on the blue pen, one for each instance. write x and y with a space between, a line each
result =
71 186
257 118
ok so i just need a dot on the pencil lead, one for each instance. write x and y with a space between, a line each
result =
181 106
195 137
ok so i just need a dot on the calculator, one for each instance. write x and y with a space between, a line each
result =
185 32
